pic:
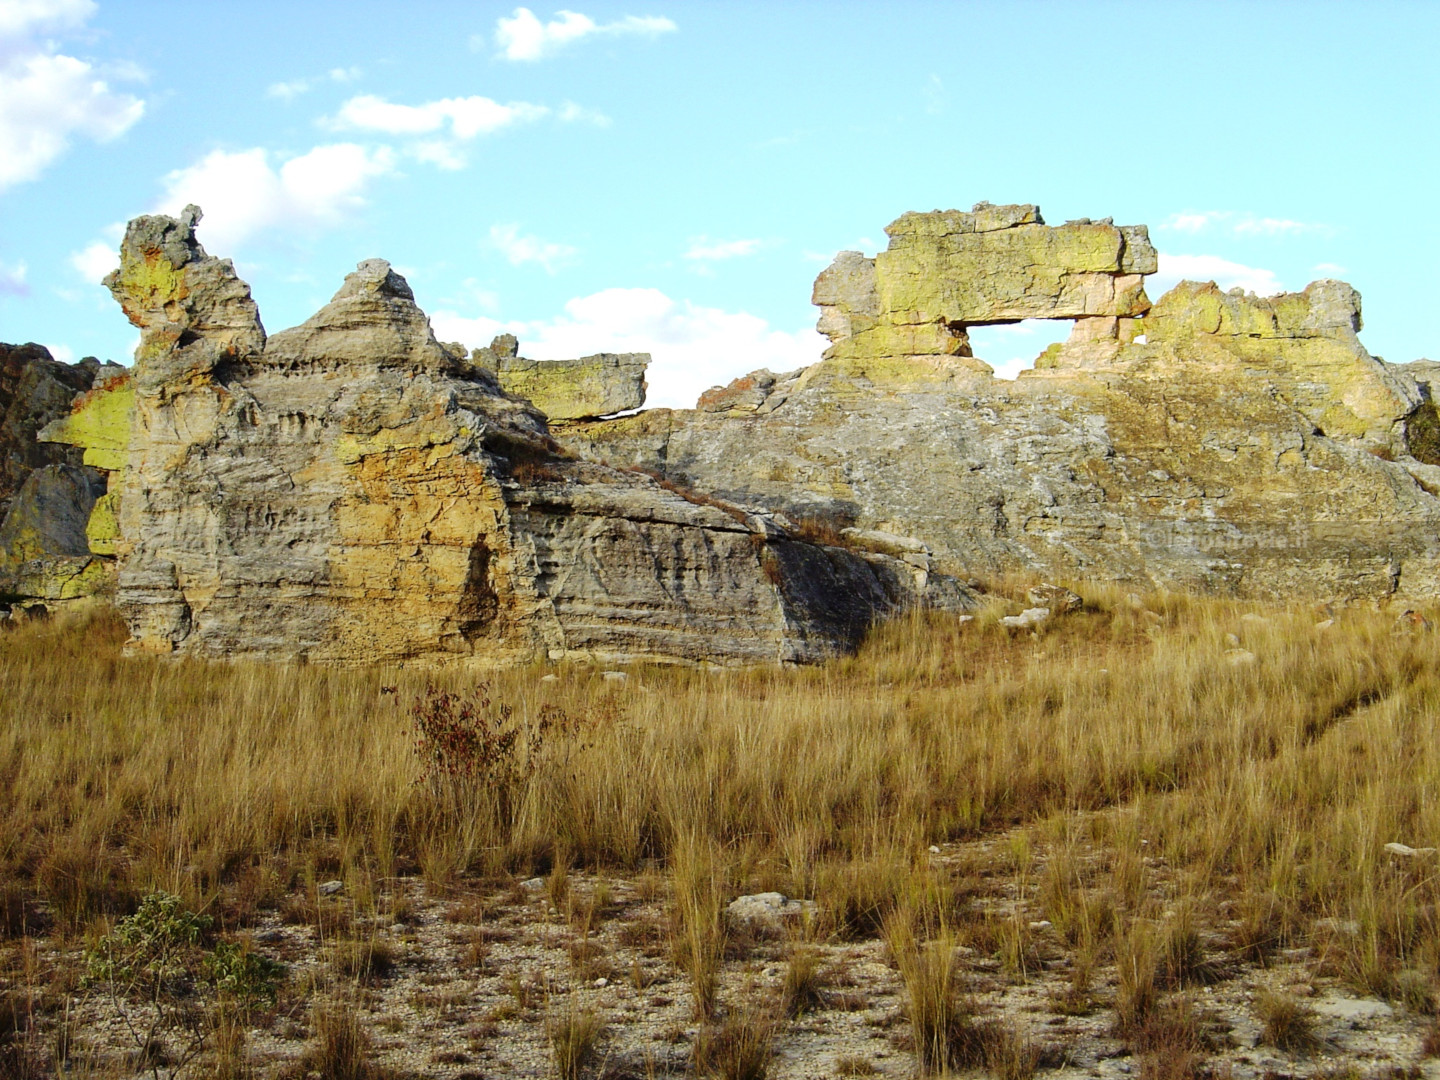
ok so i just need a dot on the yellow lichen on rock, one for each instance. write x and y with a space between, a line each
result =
99 422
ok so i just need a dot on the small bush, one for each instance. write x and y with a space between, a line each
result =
243 975
153 945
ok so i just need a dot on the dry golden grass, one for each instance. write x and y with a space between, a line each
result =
1119 741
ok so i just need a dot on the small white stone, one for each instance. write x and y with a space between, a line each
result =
602 981
549 678
616 676
534 884
1408 851
330 888
934 849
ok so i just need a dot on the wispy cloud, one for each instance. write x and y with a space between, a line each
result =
46 97
465 117
571 113
707 250
521 249
1240 224
934 95
12 279
288 91
522 36
95 261
1225 273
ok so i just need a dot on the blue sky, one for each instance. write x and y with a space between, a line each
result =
670 177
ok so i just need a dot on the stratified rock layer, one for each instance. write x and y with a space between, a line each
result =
1218 441
350 490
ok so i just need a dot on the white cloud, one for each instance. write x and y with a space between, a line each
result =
571 113
710 250
95 261
12 279
46 97
441 153
1241 224
529 249
242 193
20 19
467 117
288 91
1226 274
693 348
934 95
523 36
64 353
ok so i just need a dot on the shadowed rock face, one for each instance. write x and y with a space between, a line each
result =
1217 441
47 492
34 390
351 490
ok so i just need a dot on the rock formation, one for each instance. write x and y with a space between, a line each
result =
1217 441
47 492
584 389
351 490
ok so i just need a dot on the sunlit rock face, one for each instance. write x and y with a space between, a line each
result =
1216 441
351 490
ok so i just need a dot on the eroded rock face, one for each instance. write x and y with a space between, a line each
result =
351 490
583 389
1219 441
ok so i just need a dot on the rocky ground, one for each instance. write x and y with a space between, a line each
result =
475 980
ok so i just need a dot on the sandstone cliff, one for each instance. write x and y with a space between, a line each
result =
351 490
1217 441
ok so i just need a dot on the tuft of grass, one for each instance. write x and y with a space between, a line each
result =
341 1049
803 989
942 1018
1136 994
1286 1023
368 961
738 1048
575 1041
697 931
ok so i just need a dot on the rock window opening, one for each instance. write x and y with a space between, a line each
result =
1011 348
